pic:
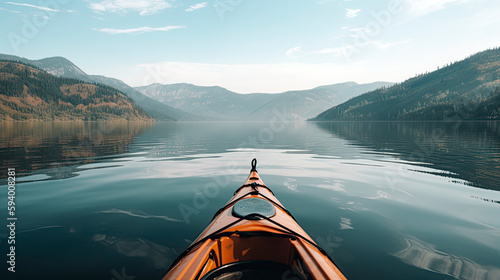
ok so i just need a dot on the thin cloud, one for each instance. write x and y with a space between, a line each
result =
350 13
291 52
137 30
12 11
196 6
144 7
47 9
336 51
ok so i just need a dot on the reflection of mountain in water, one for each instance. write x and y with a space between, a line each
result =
469 150
37 145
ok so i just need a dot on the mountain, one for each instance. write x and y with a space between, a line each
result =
215 102
57 66
29 93
219 103
466 89
156 109
488 109
305 104
62 67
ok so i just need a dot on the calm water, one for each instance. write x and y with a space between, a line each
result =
385 200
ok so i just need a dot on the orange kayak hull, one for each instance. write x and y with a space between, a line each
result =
253 233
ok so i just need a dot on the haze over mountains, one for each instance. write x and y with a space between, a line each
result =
218 103
469 88
191 102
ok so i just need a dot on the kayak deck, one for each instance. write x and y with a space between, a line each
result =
253 237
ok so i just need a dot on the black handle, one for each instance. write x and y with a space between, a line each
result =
254 164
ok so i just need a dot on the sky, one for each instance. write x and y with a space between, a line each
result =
251 46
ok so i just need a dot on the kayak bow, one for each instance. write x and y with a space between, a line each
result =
253 237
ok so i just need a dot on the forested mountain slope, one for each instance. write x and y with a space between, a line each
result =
468 88
29 93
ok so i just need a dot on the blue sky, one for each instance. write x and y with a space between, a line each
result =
251 45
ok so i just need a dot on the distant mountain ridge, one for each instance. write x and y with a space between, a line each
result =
221 104
29 93
214 102
62 67
192 103
467 89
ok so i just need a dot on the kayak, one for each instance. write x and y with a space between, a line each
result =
253 237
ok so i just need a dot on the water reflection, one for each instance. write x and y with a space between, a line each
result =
29 146
359 189
160 256
138 214
426 256
467 150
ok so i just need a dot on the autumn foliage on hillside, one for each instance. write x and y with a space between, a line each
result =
28 93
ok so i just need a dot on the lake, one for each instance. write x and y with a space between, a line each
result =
386 200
